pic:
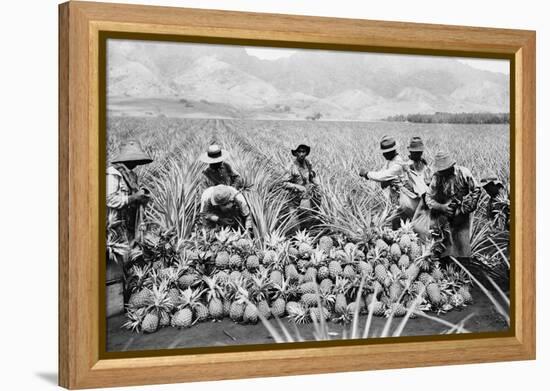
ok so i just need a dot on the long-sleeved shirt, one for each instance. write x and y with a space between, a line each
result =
420 176
240 209
392 175
223 175
462 186
118 193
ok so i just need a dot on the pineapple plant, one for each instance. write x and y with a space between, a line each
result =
291 273
214 296
381 246
252 262
297 312
335 269
235 261
404 262
222 260
326 285
425 278
318 313
395 252
135 318
434 293
276 277
141 298
323 273
326 243
397 310
341 288
349 272
158 308
466 295
270 257
405 243
311 274
304 243
437 274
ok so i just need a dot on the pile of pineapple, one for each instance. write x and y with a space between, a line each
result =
304 278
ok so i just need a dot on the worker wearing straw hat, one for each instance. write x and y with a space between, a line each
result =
498 204
393 179
301 182
219 171
452 198
225 206
124 195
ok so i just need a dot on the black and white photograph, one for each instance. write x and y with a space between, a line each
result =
261 195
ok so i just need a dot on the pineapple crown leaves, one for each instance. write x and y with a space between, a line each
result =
274 240
302 237
260 285
135 316
214 289
224 235
318 258
160 301
297 313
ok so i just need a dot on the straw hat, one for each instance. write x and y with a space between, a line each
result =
222 194
388 144
301 146
214 154
416 144
132 152
443 161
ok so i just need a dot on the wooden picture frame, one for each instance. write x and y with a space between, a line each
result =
82 146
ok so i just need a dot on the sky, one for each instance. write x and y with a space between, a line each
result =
501 66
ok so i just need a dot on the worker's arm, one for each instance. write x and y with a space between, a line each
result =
117 197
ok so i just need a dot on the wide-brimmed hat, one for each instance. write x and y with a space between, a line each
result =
416 145
222 194
490 178
443 161
301 146
388 144
214 154
131 151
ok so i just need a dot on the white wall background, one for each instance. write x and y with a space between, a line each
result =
28 207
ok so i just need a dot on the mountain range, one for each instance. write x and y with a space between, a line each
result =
194 80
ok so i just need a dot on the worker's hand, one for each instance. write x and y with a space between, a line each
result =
364 173
447 209
140 197
212 218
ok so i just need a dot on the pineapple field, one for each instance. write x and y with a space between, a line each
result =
346 276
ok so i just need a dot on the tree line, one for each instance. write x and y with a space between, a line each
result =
452 118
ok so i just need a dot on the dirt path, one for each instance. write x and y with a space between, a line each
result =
226 332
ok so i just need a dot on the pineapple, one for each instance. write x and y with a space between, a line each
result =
395 291
323 273
201 312
426 279
456 300
412 271
437 274
188 280
183 318
235 276
415 251
381 273
276 277
434 293
397 310
394 270
418 288
395 252
278 307
326 243
377 308
316 314
150 323
243 244
141 298
404 261
341 288
405 243
263 309
365 268
214 297
174 296
235 261
309 299
308 287
335 269
236 311
381 246
270 257
349 272
293 252
466 295
291 273
250 314
311 274
302 264
326 286
222 260
304 242
252 262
